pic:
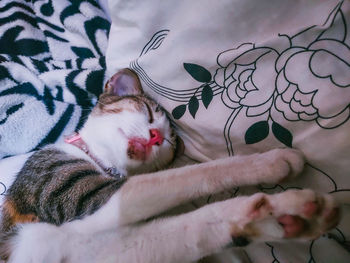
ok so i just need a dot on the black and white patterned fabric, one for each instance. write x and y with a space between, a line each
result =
52 69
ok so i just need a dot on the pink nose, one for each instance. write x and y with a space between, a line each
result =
156 138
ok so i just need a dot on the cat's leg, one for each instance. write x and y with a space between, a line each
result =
301 214
292 214
189 237
145 196
34 243
148 195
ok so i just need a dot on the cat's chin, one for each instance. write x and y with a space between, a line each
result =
138 150
150 164
140 170
144 158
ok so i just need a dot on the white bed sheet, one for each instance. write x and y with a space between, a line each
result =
9 167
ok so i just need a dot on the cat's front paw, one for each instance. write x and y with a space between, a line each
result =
283 164
306 214
301 214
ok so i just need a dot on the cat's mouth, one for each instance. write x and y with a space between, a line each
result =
140 148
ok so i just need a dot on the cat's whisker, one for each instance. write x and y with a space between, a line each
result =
99 102
172 144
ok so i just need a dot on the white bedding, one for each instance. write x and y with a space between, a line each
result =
156 38
241 76
9 167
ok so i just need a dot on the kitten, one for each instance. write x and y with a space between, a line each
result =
59 184
85 208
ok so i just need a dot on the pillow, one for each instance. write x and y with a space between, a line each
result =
243 76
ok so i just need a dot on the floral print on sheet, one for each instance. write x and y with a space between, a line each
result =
292 79
298 79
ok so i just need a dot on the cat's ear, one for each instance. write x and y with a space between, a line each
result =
124 82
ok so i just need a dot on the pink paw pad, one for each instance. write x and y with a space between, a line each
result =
292 225
310 209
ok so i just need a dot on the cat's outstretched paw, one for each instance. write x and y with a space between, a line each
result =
301 214
283 164
307 214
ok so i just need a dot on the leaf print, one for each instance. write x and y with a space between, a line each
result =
179 111
257 132
253 80
282 134
207 95
193 106
198 72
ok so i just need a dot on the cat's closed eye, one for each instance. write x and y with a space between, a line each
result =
150 114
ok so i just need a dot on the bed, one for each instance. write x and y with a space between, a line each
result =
236 76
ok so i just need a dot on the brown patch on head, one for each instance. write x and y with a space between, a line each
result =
11 216
113 104
107 104
125 85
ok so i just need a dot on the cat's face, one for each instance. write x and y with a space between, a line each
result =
129 129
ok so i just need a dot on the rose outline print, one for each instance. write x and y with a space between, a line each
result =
303 79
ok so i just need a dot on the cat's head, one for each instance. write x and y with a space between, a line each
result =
127 129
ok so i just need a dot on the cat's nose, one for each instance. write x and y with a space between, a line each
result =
156 137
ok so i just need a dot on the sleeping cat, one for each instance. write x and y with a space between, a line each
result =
126 133
78 202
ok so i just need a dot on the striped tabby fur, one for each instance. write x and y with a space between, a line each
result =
56 187
58 184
